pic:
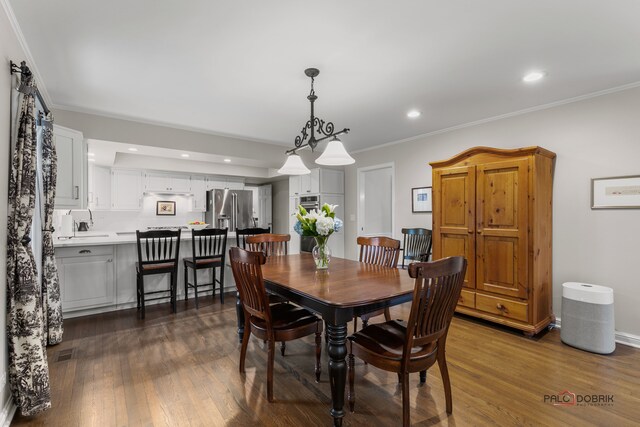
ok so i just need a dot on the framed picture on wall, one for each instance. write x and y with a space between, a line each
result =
618 192
165 208
421 200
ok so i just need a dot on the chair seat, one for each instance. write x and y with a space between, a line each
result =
153 267
387 339
204 261
285 317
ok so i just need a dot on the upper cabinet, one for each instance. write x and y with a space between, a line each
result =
163 181
221 184
199 190
326 181
72 170
99 188
126 189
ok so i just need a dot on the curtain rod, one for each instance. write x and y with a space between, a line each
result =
26 73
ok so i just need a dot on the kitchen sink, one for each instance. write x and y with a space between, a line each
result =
85 237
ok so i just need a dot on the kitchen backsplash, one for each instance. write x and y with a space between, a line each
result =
136 220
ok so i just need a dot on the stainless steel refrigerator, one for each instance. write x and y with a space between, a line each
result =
230 209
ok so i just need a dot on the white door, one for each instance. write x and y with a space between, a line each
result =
376 200
180 183
126 189
69 148
199 190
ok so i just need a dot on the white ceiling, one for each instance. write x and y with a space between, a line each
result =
236 67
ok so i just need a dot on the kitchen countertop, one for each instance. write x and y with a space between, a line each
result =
98 238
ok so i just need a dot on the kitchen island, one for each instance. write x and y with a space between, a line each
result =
97 272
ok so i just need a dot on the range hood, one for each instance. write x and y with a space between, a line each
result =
168 193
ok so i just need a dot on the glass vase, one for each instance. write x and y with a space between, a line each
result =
321 253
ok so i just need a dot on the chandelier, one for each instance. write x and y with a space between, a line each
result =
334 154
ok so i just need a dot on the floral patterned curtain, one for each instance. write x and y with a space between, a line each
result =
28 368
52 307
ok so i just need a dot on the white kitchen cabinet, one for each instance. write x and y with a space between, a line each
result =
99 188
199 190
264 208
163 181
331 181
294 185
86 275
72 168
336 241
310 183
294 243
126 189
214 183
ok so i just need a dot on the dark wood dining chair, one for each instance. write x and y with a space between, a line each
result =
269 244
383 251
416 245
414 346
243 233
269 322
158 253
208 249
241 242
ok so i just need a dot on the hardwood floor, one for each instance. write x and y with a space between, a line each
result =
182 370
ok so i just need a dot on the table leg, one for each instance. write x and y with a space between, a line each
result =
337 369
240 315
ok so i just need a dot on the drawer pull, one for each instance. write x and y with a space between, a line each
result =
502 308
84 251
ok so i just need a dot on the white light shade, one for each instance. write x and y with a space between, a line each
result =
335 155
294 166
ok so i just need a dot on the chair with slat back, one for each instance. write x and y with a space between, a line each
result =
417 245
158 253
269 244
269 322
416 345
383 251
243 233
208 249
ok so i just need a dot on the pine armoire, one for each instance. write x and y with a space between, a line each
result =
494 207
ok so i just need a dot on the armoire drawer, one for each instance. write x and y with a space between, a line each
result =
504 307
467 299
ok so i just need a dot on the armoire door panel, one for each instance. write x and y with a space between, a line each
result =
501 233
460 245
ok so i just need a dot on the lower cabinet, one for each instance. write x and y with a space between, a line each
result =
86 277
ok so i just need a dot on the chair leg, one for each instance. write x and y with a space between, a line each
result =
186 282
423 376
138 289
318 353
355 324
172 290
270 357
243 349
406 405
142 295
351 395
283 346
195 284
444 373
387 314
221 284
365 323
213 281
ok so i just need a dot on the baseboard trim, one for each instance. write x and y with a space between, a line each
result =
621 337
8 411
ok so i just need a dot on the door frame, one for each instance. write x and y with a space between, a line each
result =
360 189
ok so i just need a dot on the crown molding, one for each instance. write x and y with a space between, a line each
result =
507 115
8 10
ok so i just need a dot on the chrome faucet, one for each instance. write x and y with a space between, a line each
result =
90 214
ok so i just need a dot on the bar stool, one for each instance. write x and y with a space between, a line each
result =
158 252
208 249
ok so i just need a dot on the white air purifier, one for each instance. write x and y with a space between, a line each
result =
587 317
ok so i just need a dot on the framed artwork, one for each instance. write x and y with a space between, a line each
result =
165 208
618 192
421 199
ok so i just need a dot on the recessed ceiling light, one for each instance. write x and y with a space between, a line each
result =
92 160
227 160
133 149
91 154
184 155
413 114
533 76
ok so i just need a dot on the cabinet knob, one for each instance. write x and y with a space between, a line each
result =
502 308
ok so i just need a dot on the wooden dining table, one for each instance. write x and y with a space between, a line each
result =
347 289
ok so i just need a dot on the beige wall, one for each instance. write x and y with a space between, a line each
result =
597 137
